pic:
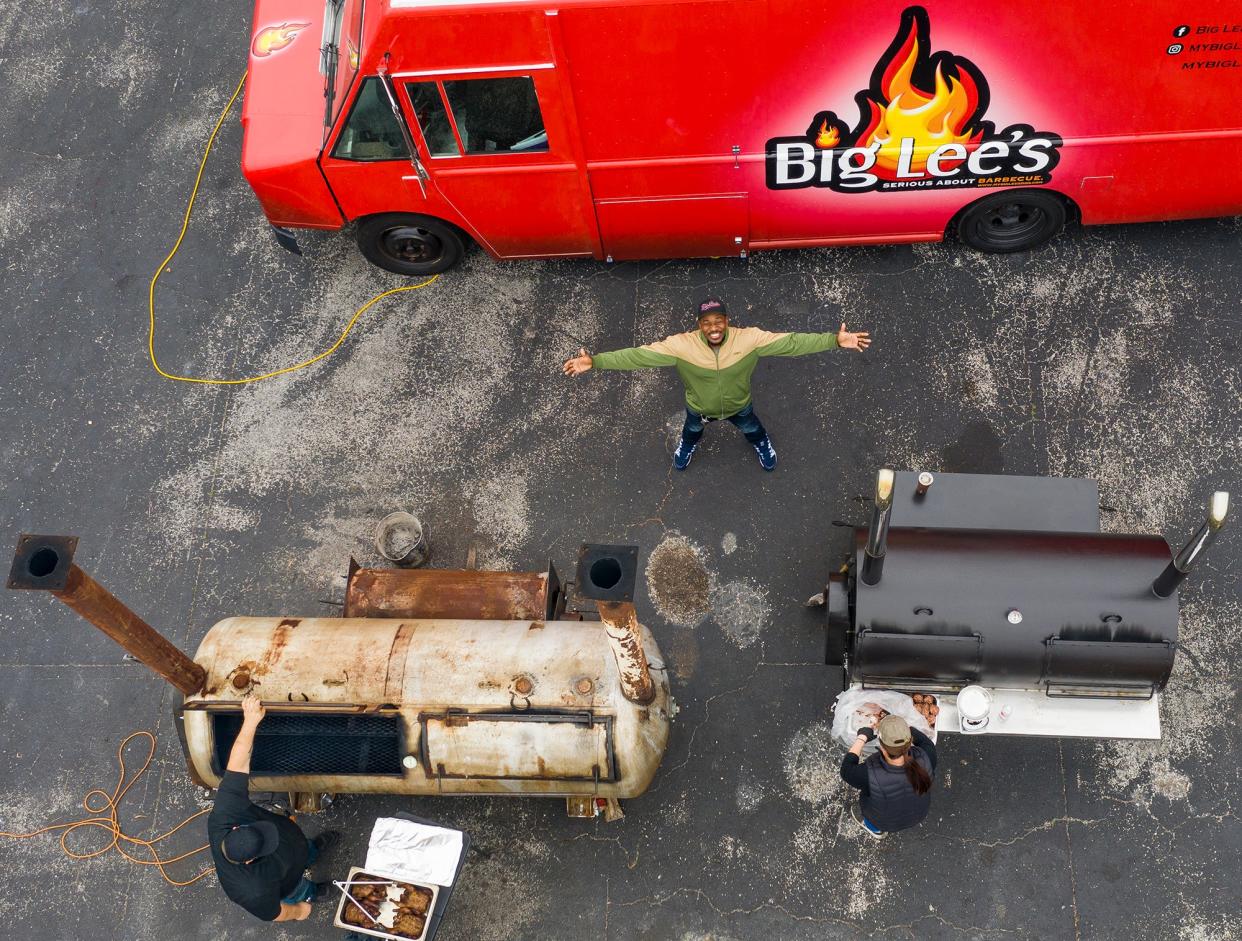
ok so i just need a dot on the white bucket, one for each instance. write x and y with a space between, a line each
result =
400 538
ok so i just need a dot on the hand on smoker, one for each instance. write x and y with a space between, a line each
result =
866 733
577 365
252 710
850 341
252 714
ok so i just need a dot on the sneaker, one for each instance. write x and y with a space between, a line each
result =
767 453
325 841
868 827
683 454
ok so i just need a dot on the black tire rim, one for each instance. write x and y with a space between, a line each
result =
411 245
1012 224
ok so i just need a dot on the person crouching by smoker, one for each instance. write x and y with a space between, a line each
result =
260 856
895 782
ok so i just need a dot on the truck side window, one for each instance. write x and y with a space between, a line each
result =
429 111
497 115
371 131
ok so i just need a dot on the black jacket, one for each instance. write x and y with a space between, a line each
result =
259 886
887 799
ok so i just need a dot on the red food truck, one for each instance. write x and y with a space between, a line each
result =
629 129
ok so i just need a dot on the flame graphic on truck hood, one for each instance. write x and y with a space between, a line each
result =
274 38
931 100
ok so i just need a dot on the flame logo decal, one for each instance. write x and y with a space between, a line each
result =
930 99
274 38
920 125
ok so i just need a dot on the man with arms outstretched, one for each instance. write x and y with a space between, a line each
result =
716 362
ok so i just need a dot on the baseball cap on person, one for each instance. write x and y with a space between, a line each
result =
712 305
894 733
250 841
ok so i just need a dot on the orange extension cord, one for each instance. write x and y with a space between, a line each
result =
105 817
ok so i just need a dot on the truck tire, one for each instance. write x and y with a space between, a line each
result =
409 244
1014 221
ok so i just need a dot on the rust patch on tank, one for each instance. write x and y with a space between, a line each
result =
340 682
241 678
276 648
394 669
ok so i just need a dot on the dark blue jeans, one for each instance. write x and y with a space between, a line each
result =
305 890
746 421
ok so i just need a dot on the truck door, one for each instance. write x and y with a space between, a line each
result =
492 155
499 153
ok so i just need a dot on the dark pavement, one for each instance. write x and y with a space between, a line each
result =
1112 354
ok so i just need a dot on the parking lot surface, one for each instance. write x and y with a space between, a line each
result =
1112 354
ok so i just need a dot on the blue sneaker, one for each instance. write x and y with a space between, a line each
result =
683 454
767 453
870 828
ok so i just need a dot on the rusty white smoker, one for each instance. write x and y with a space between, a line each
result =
433 682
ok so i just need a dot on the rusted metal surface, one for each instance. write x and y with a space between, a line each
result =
447 593
621 626
517 747
459 670
45 563
95 603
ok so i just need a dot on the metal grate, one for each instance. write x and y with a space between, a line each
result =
315 744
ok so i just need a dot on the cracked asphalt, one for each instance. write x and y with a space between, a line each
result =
1112 354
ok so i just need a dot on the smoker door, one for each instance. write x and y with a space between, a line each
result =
291 744
1106 668
894 659
518 746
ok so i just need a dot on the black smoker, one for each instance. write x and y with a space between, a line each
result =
1006 582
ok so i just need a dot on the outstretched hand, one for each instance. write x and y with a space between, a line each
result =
852 341
577 365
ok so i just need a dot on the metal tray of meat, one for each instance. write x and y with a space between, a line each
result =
379 931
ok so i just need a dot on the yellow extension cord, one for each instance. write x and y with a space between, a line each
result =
185 225
105 817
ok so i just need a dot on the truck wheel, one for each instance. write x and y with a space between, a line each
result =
1012 222
413 245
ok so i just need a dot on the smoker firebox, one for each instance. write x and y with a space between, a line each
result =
315 744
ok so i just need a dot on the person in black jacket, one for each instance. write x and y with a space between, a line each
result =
895 783
260 856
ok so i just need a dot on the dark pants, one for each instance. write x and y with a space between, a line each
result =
305 890
746 421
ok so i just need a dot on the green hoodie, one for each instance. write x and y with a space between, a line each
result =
717 379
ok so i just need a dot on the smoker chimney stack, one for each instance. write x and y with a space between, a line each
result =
877 535
45 563
1188 556
607 575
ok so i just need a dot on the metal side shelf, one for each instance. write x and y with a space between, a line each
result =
1032 712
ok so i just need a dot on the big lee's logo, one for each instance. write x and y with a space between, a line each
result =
920 127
